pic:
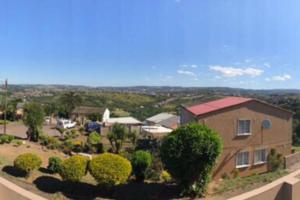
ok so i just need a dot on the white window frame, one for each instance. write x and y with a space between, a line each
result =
243 165
260 161
238 127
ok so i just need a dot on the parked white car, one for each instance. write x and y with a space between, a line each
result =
65 124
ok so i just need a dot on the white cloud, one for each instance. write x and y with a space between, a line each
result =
194 66
233 71
178 1
186 72
284 77
268 65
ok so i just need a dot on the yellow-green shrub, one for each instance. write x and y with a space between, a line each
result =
74 168
166 176
110 169
27 162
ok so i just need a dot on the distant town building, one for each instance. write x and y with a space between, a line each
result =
249 129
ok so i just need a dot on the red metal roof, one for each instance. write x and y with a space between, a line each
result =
217 105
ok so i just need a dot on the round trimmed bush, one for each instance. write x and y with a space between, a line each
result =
27 162
110 169
74 168
54 164
189 154
140 162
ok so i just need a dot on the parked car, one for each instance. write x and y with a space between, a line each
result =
93 126
65 124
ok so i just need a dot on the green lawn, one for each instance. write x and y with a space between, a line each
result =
296 148
247 182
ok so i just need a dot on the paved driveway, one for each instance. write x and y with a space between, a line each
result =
19 130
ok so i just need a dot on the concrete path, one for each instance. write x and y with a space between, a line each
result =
10 191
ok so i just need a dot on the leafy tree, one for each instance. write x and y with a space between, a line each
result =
140 162
189 154
117 137
69 102
33 119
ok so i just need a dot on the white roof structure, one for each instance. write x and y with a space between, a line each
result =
156 129
123 120
160 117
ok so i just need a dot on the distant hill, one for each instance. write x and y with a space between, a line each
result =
152 89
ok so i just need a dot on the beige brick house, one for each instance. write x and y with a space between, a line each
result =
249 129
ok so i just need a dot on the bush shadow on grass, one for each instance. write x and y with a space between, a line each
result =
87 191
78 191
45 170
11 170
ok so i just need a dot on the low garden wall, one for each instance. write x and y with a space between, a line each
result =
292 159
11 191
285 188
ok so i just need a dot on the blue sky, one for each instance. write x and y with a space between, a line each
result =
235 43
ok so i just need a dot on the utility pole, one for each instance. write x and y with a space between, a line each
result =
5 105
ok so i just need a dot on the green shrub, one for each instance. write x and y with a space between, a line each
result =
110 169
94 138
81 129
166 176
68 146
2 122
50 142
61 130
72 134
94 143
189 154
225 176
141 161
74 168
27 162
54 164
235 173
275 161
6 139
17 143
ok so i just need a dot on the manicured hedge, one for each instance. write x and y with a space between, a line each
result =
74 168
110 169
27 162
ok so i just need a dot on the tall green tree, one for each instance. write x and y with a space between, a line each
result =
33 119
117 137
70 101
189 154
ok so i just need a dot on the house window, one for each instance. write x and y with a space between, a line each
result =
244 127
242 160
260 156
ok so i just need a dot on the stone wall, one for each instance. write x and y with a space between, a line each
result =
292 159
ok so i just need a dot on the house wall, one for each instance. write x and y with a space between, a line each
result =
225 123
